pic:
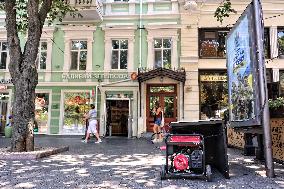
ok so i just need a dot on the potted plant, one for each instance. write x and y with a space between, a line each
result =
276 107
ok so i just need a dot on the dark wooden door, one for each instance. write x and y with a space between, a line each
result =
165 96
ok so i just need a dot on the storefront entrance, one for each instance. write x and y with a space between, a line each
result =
166 97
117 117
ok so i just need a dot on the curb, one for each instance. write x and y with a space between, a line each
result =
32 155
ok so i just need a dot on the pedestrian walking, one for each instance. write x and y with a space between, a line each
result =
92 128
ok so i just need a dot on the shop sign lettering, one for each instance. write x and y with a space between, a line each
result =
96 76
213 78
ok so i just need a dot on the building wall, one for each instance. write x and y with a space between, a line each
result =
203 17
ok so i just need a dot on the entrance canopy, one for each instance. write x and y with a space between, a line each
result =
145 74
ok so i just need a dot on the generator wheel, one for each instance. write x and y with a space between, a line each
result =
208 173
163 172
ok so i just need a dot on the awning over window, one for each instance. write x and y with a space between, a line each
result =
144 74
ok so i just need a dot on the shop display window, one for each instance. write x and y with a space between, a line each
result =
41 113
213 95
75 106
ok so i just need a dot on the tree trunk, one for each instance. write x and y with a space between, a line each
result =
23 110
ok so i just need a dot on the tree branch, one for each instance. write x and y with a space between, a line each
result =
13 38
45 8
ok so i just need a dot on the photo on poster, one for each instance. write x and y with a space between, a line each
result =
242 83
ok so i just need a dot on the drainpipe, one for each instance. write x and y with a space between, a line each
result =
140 33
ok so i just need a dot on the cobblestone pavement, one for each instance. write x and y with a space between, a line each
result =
121 163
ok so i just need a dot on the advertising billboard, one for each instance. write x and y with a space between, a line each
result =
244 105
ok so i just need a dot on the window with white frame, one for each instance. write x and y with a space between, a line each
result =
78 55
119 54
41 56
163 53
3 54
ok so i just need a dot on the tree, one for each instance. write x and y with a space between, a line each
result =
27 16
224 10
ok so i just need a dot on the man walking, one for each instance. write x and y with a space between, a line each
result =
92 117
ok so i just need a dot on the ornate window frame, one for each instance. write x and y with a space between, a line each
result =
81 33
162 32
119 32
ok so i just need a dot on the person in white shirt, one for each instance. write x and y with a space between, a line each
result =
92 117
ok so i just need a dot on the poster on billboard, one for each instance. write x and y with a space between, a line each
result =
242 72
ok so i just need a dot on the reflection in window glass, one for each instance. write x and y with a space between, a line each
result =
78 55
41 113
212 43
3 54
119 54
154 102
162 53
213 95
281 41
75 106
169 106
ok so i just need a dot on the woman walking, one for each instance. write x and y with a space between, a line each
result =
92 117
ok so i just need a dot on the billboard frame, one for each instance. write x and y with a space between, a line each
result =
256 120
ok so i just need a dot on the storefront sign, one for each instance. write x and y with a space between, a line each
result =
213 78
75 76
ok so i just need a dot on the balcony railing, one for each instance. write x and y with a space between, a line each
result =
84 3
86 8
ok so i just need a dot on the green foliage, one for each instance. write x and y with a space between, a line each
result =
276 103
224 10
59 10
281 45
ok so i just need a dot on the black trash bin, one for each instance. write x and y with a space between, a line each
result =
193 147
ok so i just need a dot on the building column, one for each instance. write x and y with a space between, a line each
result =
181 105
273 42
67 60
130 61
150 59
89 66
135 129
103 114
174 59
48 60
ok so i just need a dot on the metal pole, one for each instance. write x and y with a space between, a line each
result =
269 166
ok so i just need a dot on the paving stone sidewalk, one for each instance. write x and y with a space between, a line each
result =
121 163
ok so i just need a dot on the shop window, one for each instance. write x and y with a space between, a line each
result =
75 106
162 53
213 95
212 43
41 113
3 55
281 42
119 54
42 54
78 55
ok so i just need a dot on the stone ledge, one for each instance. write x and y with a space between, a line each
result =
38 153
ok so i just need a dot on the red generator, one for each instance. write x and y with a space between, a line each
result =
192 148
